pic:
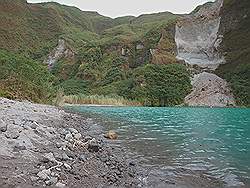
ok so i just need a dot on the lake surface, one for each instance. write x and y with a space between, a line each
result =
208 143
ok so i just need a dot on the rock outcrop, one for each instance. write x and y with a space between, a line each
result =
197 37
210 90
198 43
59 52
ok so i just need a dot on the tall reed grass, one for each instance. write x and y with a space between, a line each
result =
99 100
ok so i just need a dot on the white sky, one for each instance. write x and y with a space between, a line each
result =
116 8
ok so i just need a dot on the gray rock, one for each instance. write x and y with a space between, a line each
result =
93 145
50 157
73 131
12 134
3 126
44 174
87 138
61 156
64 132
69 137
60 185
51 181
77 136
33 178
65 157
19 147
33 125
83 158
68 167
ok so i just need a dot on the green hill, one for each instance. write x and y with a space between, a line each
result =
111 57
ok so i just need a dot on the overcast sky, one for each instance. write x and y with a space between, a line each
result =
116 8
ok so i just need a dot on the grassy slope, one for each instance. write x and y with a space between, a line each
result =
23 78
33 30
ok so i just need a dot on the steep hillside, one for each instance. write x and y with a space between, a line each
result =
235 27
87 50
90 54
23 78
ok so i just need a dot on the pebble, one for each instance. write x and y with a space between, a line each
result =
111 135
19 147
60 185
44 174
69 137
3 126
33 178
68 167
94 146
51 181
82 158
12 134
77 136
33 125
50 157
73 131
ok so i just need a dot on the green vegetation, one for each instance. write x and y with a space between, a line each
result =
23 78
125 61
166 85
98 71
236 48
100 100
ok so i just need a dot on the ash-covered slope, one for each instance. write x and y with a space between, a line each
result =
198 41
197 36
210 90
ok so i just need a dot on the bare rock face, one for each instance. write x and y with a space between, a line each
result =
197 37
210 90
59 52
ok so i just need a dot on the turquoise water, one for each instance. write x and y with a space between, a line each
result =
211 141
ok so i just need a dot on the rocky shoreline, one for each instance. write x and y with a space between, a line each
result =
42 145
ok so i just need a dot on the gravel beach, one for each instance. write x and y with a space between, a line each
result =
42 145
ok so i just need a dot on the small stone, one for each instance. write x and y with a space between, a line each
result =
59 169
42 167
19 147
68 167
82 158
61 156
64 132
50 157
111 135
69 137
131 163
33 178
33 125
3 126
77 136
60 185
44 174
51 181
73 131
12 134
58 144
93 145
87 138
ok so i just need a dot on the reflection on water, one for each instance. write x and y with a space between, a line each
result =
180 141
